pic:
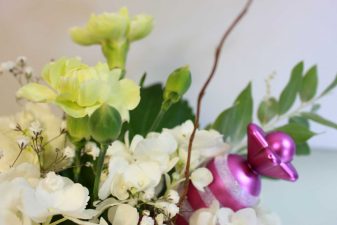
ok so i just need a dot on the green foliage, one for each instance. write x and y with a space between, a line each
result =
303 149
319 119
330 87
143 116
309 85
267 110
105 124
289 93
232 122
298 132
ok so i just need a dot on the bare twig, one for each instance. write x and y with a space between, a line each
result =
202 93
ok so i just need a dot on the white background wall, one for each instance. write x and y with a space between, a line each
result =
273 37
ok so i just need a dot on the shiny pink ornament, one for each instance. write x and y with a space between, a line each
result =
236 179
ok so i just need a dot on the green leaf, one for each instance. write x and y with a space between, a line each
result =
143 116
330 87
318 119
298 132
299 120
309 85
267 110
232 122
315 108
303 149
288 95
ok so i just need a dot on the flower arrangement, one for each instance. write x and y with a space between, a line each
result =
125 153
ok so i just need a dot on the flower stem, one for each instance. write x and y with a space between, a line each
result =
202 93
99 168
115 53
58 221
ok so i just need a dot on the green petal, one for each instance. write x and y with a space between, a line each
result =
81 36
36 92
71 108
140 27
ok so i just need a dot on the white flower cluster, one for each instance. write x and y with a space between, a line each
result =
137 168
26 198
214 215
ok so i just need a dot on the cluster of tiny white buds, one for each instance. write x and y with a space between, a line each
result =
19 69
23 142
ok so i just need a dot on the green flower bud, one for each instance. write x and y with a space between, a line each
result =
78 128
177 84
105 124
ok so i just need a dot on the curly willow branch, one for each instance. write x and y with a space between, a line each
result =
202 93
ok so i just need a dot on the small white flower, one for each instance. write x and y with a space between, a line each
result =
146 220
173 196
149 193
21 59
170 209
69 152
22 142
160 219
6 66
201 178
92 149
28 70
35 127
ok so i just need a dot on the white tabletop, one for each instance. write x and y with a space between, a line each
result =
312 200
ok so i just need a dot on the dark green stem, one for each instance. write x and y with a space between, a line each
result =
99 168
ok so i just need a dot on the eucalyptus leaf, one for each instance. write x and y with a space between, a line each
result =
309 85
232 122
319 119
303 149
330 87
267 110
315 108
289 93
300 120
143 116
298 132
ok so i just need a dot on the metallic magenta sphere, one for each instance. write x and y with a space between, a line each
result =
282 144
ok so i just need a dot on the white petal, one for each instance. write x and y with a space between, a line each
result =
245 216
123 214
203 217
201 178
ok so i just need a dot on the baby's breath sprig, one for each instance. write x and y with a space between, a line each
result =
20 70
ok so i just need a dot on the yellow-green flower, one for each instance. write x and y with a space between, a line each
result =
114 32
79 89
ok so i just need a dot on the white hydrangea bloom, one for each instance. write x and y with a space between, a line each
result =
138 165
147 220
123 214
214 215
28 199
207 143
169 208
201 178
